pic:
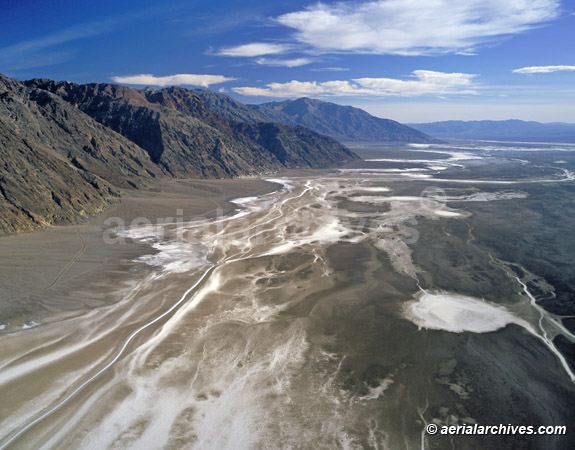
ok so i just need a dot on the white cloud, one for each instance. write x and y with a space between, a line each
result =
414 27
254 49
295 62
173 80
423 82
296 88
330 69
544 69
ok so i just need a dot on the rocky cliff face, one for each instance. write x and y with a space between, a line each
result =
57 165
67 150
184 137
181 144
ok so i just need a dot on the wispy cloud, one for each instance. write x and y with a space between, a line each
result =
254 49
60 37
330 69
423 82
173 80
41 59
544 69
295 62
49 49
405 27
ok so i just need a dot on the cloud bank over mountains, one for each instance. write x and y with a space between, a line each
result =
422 82
173 80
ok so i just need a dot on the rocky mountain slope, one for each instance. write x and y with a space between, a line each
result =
229 107
67 150
504 130
57 165
185 138
344 123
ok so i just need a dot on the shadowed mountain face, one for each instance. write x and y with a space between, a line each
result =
506 130
344 123
66 150
57 165
186 139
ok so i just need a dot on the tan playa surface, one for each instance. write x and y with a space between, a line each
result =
62 271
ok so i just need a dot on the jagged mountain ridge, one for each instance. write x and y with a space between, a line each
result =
344 123
293 146
185 137
67 150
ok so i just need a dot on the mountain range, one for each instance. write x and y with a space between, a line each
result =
344 123
67 150
503 130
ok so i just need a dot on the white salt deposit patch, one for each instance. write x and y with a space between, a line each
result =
287 185
372 189
398 160
447 213
425 161
461 156
379 200
560 162
176 257
415 175
2 327
243 200
399 255
376 392
487 196
251 205
537 146
419 145
327 232
390 171
143 233
458 313
454 155
31 324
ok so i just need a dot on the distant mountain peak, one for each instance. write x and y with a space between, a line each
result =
345 123
503 130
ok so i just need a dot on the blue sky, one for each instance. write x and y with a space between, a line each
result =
408 60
